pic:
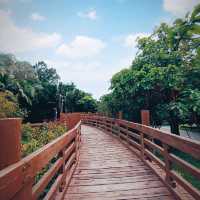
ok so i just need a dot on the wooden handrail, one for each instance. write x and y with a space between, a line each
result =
148 141
17 180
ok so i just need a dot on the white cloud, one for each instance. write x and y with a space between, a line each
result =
37 17
131 39
4 1
83 73
179 7
15 39
81 47
91 14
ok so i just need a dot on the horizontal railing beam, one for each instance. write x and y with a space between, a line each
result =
152 141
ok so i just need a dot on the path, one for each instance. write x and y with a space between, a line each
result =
107 170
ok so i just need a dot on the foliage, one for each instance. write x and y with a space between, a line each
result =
180 170
34 138
38 90
45 74
75 100
163 77
186 175
9 106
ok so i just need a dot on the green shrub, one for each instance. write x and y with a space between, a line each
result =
9 106
34 138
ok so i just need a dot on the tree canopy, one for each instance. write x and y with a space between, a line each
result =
37 91
163 77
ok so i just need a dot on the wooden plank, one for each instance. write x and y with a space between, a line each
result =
155 159
69 151
40 186
186 185
184 144
130 133
154 146
185 165
109 170
51 193
14 177
126 194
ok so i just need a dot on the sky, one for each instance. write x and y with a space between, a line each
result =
86 41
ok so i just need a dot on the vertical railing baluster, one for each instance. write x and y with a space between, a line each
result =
127 134
62 170
118 130
142 145
167 163
77 144
111 126
168 166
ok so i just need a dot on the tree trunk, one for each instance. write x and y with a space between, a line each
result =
174 126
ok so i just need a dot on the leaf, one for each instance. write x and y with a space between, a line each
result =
195 12
195 29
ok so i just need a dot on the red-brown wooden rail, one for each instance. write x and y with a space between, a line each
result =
143 140
17 181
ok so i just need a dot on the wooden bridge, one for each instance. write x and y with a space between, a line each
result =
103 158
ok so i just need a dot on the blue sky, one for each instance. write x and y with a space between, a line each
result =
87 41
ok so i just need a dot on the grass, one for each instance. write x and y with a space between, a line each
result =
186 175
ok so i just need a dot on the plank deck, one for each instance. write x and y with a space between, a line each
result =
109 170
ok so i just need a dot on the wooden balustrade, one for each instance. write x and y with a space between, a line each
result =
58 159
158 147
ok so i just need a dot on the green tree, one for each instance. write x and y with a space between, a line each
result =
87 104
164 75
46 74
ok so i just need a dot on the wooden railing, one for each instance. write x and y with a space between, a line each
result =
45 173
157 149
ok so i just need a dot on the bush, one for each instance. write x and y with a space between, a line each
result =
9 106
34 138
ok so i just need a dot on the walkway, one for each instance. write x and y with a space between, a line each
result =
107 170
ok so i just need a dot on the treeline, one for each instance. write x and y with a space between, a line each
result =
36 92
164 77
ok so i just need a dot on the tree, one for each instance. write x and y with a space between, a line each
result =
87 104
79 101
38 90
164 76
46 74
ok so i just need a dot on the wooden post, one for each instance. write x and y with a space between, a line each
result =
104 123
167 163
120 115
111 126
142 145
10 142
145 117
62 170
168 166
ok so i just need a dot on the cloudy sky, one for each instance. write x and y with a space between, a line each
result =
87 41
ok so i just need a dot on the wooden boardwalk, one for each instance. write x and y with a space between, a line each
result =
109 170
